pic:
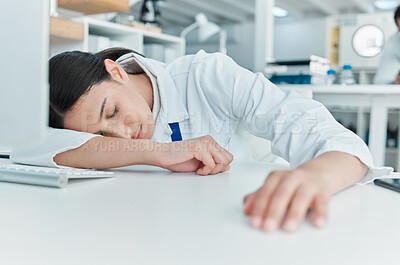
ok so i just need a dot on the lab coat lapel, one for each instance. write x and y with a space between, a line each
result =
172 108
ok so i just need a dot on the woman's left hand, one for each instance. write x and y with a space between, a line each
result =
288 193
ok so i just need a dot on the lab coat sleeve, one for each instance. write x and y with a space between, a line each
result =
299 129
56 141
389 65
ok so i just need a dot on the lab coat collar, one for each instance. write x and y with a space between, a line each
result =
172 108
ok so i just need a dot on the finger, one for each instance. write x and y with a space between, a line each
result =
221 158
218 169
279 203
207 161
219 149
221 162
227 160
320 208
220 165
250 196
223 169
228 167
228 155
262 198
298 208
249 202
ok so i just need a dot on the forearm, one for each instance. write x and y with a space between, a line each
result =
339 170
109 152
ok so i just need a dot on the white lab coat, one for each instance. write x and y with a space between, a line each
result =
389 65
209 94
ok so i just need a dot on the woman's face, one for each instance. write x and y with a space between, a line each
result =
114 109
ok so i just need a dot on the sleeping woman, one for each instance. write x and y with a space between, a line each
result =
116 108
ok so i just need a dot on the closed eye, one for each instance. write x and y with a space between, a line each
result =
115 112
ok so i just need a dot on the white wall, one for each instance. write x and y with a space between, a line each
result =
240 44
297 40
294 40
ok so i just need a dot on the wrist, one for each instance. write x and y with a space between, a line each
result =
146 150
344 172
154 153
319 175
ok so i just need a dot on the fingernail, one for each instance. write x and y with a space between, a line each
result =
320 222
269 224
256 221
290 225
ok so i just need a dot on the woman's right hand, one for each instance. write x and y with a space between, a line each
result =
203 155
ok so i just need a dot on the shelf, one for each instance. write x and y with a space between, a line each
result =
105 28
95 6
66 29
146 27
117 35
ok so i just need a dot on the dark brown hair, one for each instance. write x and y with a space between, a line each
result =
72 74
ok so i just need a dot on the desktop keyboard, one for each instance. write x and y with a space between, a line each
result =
45 176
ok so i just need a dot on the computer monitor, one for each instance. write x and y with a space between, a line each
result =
24 51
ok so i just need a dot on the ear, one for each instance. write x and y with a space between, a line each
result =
116 72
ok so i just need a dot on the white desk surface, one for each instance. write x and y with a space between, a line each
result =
150 216
353 89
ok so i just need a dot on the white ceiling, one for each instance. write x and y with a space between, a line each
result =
182 12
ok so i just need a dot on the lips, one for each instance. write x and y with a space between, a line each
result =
140 133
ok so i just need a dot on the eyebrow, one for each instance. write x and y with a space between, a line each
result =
102 108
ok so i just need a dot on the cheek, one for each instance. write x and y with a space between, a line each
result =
89 118
137 111
130 118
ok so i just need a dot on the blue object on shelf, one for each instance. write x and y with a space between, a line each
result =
331 72
291 79
347 67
